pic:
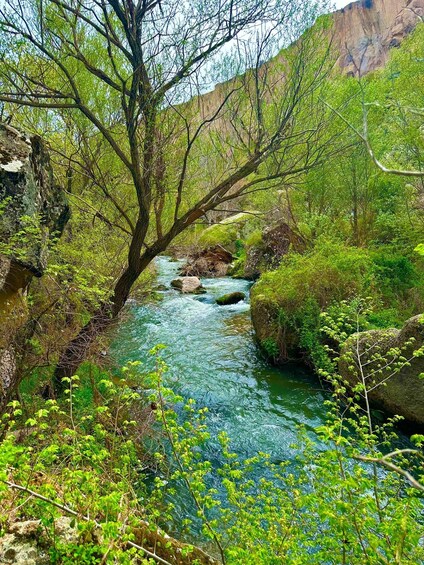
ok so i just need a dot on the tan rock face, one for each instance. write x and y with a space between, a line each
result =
26 543
365 31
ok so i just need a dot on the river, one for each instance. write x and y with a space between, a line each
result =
212 358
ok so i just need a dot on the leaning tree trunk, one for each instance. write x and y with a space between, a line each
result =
78 348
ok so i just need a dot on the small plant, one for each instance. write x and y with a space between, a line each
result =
344 497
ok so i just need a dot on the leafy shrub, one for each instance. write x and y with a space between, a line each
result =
305 285
270 347
395 273
332 271
219 234
324 505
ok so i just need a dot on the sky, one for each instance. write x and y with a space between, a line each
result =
341 3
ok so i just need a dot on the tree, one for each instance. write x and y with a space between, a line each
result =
113 78
390 102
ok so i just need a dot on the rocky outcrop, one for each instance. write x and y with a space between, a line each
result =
391 362
188 285
362 35
32 210
365 31
266 255
30 202
231 298
212 262
28 543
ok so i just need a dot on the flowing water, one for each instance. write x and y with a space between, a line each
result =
212 358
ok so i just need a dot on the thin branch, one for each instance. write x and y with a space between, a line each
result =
364 138
389 465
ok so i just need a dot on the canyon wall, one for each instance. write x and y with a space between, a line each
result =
32 210
365 31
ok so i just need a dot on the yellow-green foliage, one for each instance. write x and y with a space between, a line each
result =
332 271
254 238
319 506
222 234
286 303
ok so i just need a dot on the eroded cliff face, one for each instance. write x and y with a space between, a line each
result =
365 31
362 35
32 209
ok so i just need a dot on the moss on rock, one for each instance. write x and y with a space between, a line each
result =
391 362
231 298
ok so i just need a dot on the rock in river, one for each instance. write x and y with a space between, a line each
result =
211 262
188 285
232 298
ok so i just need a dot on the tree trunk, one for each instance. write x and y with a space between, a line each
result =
12 360
78 348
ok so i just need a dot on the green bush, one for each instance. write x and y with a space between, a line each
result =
395 272
219 234
305 285
294 295
332 271
322 505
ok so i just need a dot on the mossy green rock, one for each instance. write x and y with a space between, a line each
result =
33 209
286 303
266 253
231 298
397 390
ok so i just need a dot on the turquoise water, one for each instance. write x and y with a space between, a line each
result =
212 358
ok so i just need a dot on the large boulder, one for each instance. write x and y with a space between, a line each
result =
188 285
211 262
32 210
391 362
266 255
